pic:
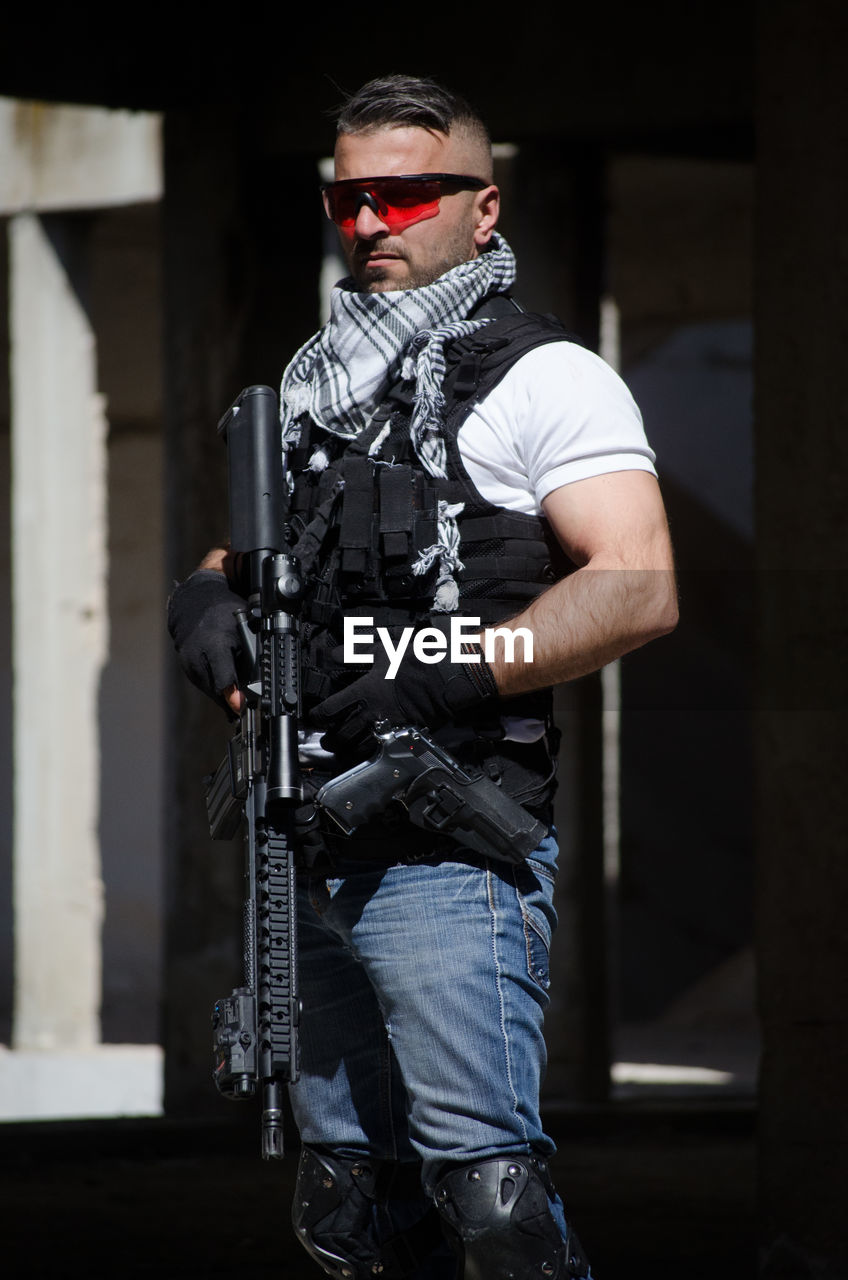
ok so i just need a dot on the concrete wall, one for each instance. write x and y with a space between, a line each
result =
680 246
6 942
124 309
58 165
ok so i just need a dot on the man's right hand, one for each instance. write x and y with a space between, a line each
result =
201 620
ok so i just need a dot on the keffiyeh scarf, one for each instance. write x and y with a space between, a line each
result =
340 376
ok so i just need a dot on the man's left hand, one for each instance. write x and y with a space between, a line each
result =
425 695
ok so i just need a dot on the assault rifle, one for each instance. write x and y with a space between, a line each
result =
255 1028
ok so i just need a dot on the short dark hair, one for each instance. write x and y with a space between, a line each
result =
397 100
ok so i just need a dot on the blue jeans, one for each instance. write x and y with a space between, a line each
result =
424 988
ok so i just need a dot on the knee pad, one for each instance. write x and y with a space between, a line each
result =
498 1217
337 1217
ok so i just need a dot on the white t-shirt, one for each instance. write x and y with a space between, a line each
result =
560 414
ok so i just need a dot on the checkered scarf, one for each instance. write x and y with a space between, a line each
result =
340 376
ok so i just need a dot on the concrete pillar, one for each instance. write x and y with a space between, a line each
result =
801 445
60 635
55 160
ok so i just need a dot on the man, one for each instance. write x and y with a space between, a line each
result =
448 456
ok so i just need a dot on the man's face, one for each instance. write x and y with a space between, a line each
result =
379 260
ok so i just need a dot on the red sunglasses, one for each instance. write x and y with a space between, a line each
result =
398 201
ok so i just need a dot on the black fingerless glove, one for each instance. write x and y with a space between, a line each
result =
204 631
425 695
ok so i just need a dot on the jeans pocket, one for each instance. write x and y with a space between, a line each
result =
535 887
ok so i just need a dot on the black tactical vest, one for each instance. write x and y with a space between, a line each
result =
361 523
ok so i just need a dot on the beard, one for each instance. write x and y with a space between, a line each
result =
411 268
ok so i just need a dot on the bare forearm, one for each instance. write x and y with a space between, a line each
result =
584 622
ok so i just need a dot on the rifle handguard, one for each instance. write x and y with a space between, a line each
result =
255 1028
